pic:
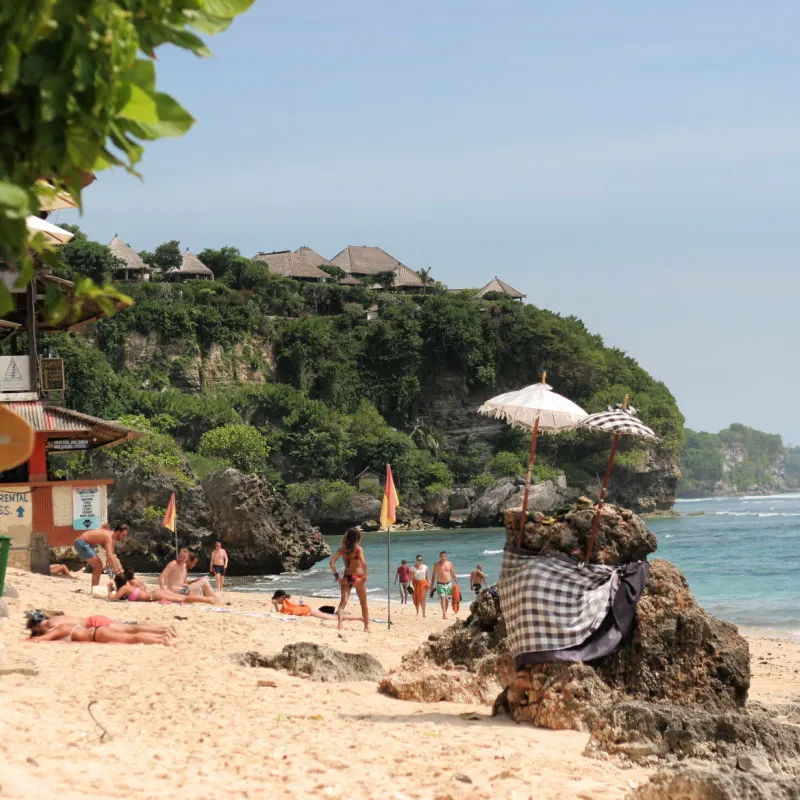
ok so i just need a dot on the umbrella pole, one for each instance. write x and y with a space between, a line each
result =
596 522
531 459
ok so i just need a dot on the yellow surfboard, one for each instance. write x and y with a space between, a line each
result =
16 439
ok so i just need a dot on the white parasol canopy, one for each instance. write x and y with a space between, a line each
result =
52 199
522 407
52 233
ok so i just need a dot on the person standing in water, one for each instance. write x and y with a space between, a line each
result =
477 579
219 564
403 574
355 574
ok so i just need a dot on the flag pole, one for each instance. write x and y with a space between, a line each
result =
389 576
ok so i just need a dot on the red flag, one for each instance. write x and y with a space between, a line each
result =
390 500
169 517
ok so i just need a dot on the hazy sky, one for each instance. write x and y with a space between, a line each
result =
634 163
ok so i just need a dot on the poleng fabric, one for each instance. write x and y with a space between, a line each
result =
552 602
616 625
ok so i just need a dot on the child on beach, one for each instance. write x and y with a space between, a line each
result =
403 574
219 564
355 573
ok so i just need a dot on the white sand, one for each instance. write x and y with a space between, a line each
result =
187 719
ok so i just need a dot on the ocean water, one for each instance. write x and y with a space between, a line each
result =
740 555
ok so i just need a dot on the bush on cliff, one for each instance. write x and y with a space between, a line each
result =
241 446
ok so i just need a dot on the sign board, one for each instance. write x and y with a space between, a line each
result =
16 514
52 370
15 374
69 444
86 512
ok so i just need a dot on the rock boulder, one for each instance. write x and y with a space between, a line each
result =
260 530
317 662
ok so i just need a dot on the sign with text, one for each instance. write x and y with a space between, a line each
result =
52 370
16 513
15 374
69 444
86 507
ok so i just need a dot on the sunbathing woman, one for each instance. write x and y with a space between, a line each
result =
355 574
39 622
133 590
78 633
284 605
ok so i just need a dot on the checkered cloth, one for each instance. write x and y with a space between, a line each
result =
619 420
552 602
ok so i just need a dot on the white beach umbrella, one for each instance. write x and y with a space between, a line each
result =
52 199
536 407
52 233
621 420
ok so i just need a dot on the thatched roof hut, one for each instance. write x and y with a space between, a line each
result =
312 256
133 269
293 264
364 261
191 269
501 287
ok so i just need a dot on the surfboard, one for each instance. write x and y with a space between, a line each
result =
16 439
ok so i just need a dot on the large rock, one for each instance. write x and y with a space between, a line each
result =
260 530
488 507
693 782
317 662
357 509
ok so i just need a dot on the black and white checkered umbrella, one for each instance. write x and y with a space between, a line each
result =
619 420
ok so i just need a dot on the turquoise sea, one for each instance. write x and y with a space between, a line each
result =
741 557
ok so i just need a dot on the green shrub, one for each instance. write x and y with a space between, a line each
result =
482 481
153 514
240 445
436 488
505 465
203 466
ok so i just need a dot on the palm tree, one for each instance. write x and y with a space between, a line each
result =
425 274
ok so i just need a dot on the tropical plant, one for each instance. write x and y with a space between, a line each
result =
241 445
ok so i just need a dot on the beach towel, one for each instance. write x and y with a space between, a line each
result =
456 600
552 602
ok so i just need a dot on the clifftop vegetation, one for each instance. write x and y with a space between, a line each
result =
341 392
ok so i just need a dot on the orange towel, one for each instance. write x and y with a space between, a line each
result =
456 598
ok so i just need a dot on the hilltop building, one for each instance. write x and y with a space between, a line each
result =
191 269
501 287
133 269
364 262
302 264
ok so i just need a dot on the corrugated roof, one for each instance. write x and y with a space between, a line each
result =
496 285
127 254
55 419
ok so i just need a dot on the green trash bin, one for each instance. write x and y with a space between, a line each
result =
5 547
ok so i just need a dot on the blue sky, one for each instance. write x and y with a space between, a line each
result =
635 164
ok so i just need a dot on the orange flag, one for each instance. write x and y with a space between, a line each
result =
169 517
390 500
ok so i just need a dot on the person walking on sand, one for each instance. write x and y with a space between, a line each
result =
355 574
419 576
444 578
219 564
403 575
478 579
100 537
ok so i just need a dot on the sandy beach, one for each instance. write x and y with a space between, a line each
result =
189 719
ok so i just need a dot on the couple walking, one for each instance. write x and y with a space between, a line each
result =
443 578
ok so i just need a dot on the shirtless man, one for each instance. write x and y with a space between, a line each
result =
477 579
174 576
444 577
218 564
99 537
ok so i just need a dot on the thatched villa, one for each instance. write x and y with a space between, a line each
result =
363 261
191 269
133 268
500 287
299 264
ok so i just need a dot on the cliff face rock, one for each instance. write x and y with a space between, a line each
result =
260 530
650 487
359 508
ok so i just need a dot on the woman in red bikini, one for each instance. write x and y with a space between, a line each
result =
355 574
40 622
133 590
89 630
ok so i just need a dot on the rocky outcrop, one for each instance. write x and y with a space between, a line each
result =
316 662
648 487
457 665
261 531
357 509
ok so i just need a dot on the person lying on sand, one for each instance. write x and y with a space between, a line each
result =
174 577
62 569
283 605
355 573
40 622
78 633
133 590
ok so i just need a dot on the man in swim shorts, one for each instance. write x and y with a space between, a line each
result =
99 537
477 579
174 576
218 564
444 578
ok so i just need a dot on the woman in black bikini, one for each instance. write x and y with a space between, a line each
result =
355 574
